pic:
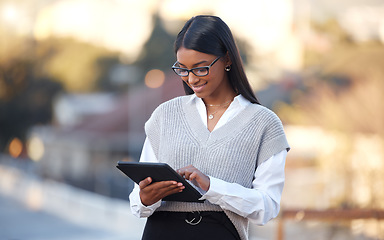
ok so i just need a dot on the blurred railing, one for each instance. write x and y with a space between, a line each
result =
75 205
325 215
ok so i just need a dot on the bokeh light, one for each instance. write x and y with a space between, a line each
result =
154 78
34 197
35 148
15 147
9 13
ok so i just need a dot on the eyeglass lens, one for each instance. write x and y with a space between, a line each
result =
203 71
199 71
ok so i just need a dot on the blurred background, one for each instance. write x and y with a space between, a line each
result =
79 78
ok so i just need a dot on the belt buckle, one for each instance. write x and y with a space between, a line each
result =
194 220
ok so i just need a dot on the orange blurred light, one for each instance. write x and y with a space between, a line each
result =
15 147
154 78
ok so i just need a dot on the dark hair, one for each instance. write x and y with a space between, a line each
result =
210 35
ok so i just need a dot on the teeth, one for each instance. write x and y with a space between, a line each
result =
199 85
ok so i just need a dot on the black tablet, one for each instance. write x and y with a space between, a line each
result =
138 171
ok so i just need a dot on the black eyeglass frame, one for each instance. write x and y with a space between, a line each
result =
174 68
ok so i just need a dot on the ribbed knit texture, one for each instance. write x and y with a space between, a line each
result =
231 153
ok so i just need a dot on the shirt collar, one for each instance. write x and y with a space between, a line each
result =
238 99
192 99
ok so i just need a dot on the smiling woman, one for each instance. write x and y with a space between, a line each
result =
220 42
211 81
219 138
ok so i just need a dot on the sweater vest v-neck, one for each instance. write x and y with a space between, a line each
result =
231 153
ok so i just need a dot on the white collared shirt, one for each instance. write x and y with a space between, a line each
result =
259 203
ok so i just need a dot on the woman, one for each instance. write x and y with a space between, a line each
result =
218 137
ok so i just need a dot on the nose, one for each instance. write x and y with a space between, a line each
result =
192 79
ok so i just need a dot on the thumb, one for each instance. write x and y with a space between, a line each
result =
145 182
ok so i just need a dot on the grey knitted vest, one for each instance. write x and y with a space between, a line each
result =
231 153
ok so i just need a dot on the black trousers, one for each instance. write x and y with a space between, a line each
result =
189 226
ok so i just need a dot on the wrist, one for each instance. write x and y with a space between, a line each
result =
144 201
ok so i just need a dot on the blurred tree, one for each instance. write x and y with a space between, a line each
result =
25 100
33 72
105 66
73 63
158 51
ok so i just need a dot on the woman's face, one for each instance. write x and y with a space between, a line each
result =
214 86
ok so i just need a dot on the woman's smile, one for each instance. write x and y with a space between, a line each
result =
198 88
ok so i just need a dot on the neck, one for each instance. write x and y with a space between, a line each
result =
220 105
219 101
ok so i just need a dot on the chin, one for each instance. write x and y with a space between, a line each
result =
200 95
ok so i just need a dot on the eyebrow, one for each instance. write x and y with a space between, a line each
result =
194 65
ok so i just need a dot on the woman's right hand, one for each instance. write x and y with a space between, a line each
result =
152 193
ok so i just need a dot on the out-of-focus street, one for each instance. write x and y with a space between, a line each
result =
32 209
17 222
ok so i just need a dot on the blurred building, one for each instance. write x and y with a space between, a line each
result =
93 132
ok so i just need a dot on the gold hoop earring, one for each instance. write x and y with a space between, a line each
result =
228 68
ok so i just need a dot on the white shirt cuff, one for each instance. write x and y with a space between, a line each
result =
216 188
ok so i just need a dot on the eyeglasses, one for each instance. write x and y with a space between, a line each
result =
198 71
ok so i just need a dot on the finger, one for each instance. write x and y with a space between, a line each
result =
172 190
200 180
166 185
193 176
161 190
189 172
181 172
158 190
145 182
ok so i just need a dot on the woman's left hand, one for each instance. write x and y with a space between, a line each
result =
195 176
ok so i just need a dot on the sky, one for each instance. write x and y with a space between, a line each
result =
125 25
